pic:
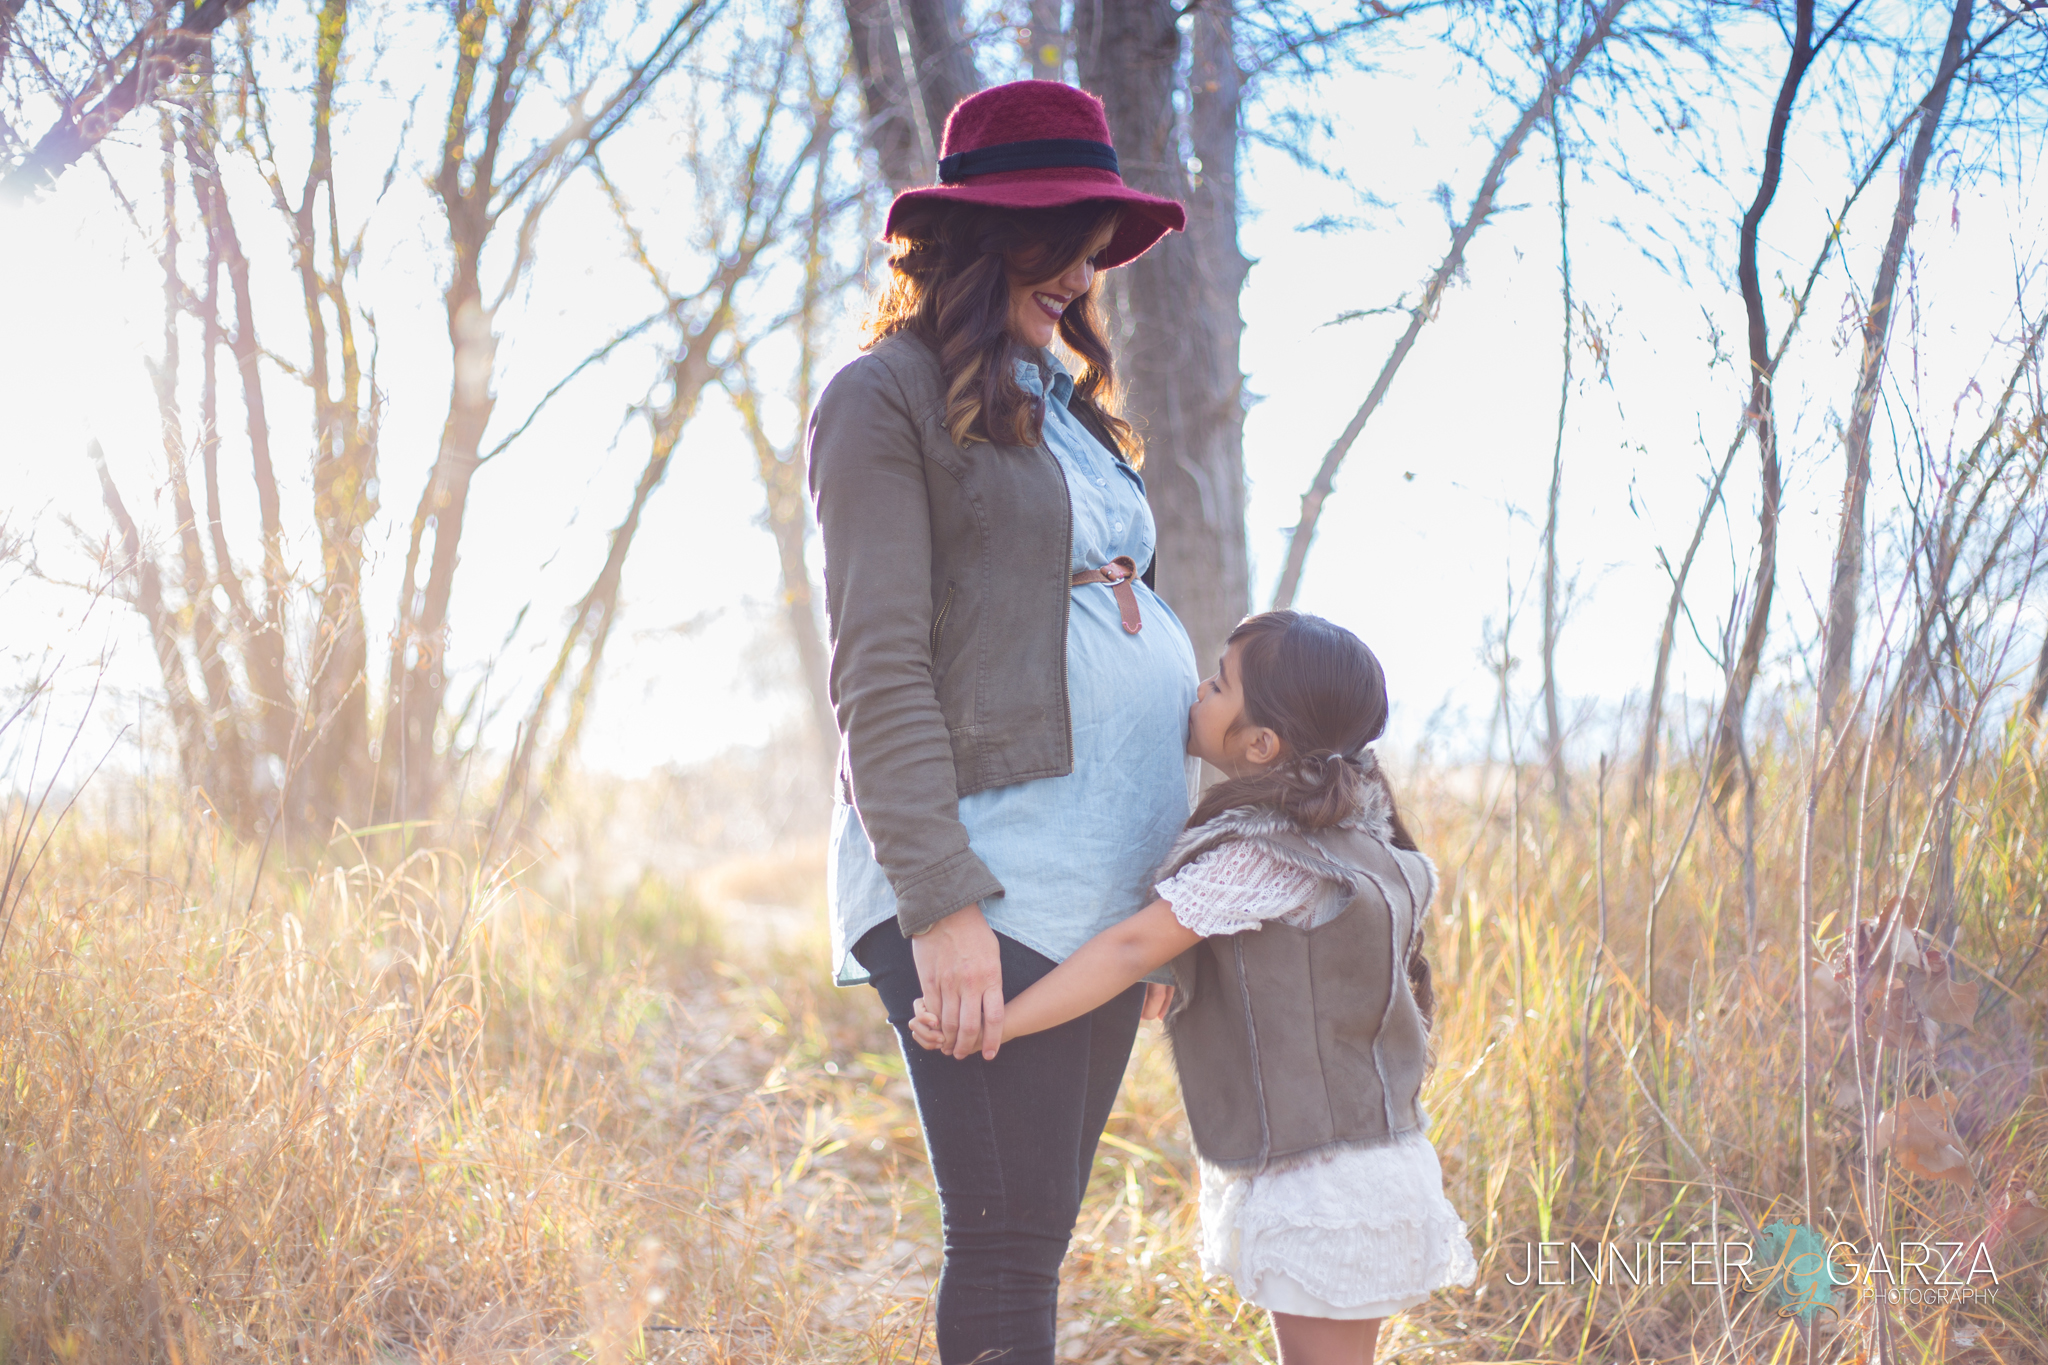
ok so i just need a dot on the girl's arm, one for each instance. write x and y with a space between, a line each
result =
1105 965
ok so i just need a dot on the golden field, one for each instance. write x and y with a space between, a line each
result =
455 1098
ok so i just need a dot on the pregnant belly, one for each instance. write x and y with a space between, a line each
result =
1128 694
1077 853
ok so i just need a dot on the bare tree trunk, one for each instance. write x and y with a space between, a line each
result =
475 199
782 479
946 73
1048 43
2037 698
600 606
1762 416
409 756
907 123
263 632
223 772
1324 484
1176 307
418 660
1846 580
1941 868
789 505
905 146
1554 727
235 753
147 594
1653 711
331 747
759 201
590 628
1943 538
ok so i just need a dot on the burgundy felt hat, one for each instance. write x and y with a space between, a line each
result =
1041 145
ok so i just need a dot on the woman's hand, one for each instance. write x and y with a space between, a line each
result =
1158 1000
960 970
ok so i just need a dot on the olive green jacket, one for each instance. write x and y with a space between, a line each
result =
946 597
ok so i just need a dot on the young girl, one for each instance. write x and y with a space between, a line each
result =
1291 910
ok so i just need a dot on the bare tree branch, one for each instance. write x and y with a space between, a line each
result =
1762 417
1319 490
1653 712
149 59
1554 728
1846 576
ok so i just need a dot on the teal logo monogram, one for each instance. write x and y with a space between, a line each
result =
1793 1267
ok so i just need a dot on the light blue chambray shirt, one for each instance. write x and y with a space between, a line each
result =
1075 854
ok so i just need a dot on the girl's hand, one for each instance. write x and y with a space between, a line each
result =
924 1026
1158 1000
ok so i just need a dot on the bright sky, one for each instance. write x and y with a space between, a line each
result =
1437 519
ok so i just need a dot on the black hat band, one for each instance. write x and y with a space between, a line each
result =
1038 154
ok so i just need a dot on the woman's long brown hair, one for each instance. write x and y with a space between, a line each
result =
950 268
1315 685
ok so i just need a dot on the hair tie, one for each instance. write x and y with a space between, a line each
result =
1323 761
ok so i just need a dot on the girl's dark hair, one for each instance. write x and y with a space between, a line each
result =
950 268
1315 685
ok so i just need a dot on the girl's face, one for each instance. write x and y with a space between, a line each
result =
1218 731
1036 305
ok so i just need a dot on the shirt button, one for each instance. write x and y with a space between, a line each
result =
1118 528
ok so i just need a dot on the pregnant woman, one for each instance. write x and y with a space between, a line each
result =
1012 697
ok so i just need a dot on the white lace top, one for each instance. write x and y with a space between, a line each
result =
1365 1231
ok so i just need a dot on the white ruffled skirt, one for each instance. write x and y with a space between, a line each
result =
1363 1233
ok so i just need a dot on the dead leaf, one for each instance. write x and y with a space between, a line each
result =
1920 1133
2021 1213
1891 940
1940 996
1830 988
1898 1021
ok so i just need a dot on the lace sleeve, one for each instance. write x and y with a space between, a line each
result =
1234 888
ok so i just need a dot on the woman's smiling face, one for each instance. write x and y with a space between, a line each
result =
1036 304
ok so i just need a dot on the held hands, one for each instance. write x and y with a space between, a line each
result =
927 1033
960 969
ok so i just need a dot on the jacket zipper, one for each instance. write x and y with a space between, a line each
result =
1066 597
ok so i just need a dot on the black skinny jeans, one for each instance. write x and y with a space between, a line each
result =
1011 1143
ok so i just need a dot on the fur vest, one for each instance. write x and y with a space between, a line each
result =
1291 1042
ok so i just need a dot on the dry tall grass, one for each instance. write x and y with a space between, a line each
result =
413 1106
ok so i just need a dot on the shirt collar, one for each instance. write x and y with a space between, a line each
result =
1062 382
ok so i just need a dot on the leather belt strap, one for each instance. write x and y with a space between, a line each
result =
1119 573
